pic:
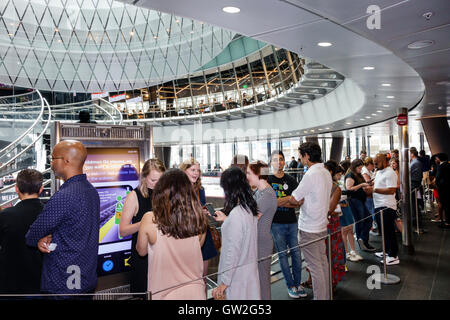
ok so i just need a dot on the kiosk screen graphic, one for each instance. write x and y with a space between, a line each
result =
114 172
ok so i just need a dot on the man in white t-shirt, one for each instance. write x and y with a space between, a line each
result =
385 185
315 190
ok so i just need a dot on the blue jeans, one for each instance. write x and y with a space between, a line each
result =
360 212
370 206
286 236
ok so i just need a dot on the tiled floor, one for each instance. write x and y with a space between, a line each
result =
424 275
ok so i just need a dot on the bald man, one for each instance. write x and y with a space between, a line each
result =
67 229
385 186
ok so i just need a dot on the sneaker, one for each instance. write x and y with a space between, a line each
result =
293 293
392 260
301 292
374 232
379 254
349 257
356 256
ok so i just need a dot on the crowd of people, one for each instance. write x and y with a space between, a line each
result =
53 248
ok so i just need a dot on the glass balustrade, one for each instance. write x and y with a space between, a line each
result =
265 74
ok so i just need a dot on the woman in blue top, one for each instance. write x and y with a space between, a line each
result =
192 169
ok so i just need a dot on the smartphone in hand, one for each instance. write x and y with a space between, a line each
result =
211 209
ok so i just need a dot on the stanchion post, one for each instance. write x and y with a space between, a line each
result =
148 296
388 278
383 244
330 268
417 212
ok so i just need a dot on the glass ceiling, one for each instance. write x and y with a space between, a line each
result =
99 45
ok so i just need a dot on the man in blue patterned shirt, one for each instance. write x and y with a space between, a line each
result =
70 220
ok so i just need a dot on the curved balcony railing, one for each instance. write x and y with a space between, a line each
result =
291 85
104 112
27 148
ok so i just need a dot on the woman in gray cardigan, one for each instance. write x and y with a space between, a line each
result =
238 266
257 174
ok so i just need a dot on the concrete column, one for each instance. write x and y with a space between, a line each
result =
437 133
336 149
324 150
217 155
163 154
349 149
312 139
269 150
421 141
357 146
208 156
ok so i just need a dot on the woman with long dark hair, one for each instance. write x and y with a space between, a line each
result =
172 235
238 267
355 184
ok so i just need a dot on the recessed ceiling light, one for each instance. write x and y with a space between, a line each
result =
369 68
320 129
367 117
390 97
327 128
305 131
56 30
348 123
312 130
373 114
361 119
386 105
440 108
155 37
379 111
420 44
10 34
386 84
324 44
231 9
131 33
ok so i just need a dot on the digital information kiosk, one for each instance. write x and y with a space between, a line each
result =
115 155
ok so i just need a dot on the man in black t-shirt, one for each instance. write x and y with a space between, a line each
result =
20 265
284 226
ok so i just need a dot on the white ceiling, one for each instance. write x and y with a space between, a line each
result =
298 25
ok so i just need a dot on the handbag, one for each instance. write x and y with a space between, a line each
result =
216 237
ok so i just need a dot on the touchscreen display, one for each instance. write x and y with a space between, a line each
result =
114 172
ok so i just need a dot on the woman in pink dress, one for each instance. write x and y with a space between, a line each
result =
172 235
